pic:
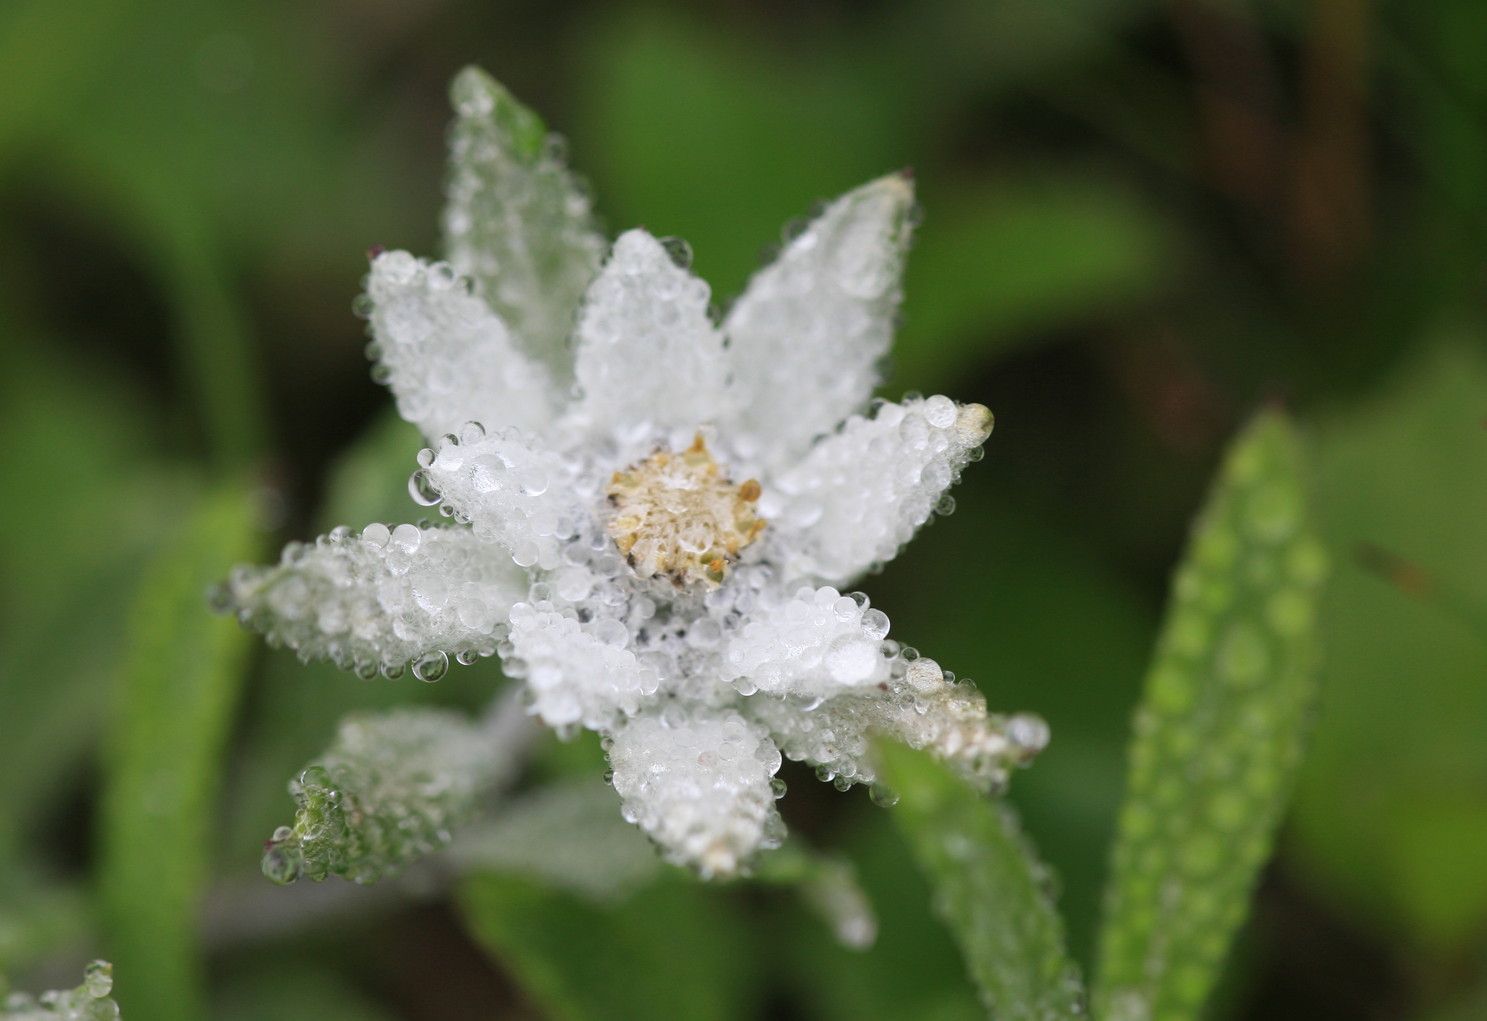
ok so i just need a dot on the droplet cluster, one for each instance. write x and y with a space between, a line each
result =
385 599
815 643
862 493
391 789
514 491
699 785
88 1002
577 674
449 358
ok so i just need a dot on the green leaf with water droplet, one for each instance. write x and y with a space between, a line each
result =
163 765
988 887
392 788
516 220
1217 735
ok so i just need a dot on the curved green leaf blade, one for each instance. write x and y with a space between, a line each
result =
988 888
1217 734
170 726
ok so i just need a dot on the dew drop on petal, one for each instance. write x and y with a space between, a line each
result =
421 489
431 666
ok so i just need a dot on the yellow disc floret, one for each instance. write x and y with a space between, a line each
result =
679 515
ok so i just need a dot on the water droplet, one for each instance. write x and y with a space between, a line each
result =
1029 733
472 432
421 489
282 862
431 666
466 657
392 671
98 979
381 373
678 251
362 306
777 788
945 505
219 598
882 796
875 624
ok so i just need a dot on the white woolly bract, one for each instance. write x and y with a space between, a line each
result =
699 786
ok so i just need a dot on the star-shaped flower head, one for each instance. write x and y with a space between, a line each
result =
656 517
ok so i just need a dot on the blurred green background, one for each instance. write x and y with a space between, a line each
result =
1141 221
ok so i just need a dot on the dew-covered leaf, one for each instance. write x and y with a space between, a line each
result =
161 772
1218 733
392 788
89 1001
988 887
516 220
673 950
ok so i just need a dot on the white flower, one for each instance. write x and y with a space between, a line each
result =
656 534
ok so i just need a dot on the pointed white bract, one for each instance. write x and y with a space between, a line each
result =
447 357
699 786
917 705
683 529
577 675
382 598
643 312
806 338
862 493
514 491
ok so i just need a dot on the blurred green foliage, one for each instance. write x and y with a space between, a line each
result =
1141 220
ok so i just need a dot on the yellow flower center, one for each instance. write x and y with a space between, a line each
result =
679 515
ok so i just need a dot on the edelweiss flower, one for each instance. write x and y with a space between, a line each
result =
655 532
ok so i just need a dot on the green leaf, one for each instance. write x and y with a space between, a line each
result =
391 790
671 951
995 266
1013 638
50 52
988 887
89 449
1218 734
162 768
516 220
1390 821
